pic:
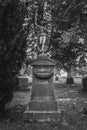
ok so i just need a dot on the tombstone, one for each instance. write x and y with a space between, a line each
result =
70 80
77 79
23 82
84 83
42 105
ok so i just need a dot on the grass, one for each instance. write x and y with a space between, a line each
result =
71 100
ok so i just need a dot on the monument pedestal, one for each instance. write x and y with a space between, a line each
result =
42 105
42 116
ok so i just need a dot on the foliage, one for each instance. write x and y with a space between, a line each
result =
32 38
69 24
12 47
37 15
69 19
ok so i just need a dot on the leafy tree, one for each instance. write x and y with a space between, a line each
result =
66 50
37 15
69 19
69 24
12 47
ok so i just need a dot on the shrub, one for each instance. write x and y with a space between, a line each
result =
12 47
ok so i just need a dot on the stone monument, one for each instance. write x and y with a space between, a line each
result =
84 83
23 83
42 105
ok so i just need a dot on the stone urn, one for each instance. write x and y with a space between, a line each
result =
42 105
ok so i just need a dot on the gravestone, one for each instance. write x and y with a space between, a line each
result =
69 80
42 105
23 82
84 83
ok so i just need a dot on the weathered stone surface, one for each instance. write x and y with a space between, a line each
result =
42 101
23 82
42 116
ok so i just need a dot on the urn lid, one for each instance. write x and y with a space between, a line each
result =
43 59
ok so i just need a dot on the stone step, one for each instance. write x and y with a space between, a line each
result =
41 116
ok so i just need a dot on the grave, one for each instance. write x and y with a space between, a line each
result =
23 82
69 80
42 105
84 83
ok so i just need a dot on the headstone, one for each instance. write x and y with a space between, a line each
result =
42 105
84 83
23 82
70 80
77 79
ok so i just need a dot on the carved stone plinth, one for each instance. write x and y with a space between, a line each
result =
42 116
42 105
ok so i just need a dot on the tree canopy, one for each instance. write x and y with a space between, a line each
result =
69 20
68 36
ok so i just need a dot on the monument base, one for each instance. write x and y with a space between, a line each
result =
42 111
41 116
42 105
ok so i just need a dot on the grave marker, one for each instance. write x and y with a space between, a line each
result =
42 105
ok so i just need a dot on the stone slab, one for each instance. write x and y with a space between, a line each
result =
23 83
42 116
42 105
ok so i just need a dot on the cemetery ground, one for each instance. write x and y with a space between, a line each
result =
71 99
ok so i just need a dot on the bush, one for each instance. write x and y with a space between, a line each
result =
12 47
7 89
